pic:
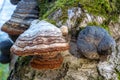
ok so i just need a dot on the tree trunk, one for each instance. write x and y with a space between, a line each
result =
73 68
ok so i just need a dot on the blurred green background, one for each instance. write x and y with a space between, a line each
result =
4 71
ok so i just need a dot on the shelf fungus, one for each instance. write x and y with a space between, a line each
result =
95 42
25 12
44 41
39 62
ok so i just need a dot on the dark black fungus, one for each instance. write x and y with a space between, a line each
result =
14 2
5 45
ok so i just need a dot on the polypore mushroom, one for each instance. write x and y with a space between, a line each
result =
5 45
43 39
25 12
94 42
39 62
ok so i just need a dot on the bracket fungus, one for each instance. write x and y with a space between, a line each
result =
25 12
94 42
41 39
5 45
39 62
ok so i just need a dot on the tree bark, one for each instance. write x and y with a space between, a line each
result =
73 68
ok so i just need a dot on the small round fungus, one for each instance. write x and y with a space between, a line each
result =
64 30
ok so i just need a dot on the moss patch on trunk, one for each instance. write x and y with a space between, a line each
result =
109 9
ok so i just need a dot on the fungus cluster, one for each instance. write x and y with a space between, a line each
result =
25 12
94 42
45 42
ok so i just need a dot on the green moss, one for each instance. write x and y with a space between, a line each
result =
118 73
44 6
106 28
51 21
4 71
51 7
92 24
96 78
97 7
101 25
24 60
109 9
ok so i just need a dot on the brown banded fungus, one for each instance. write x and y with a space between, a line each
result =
39 62
25 12
94 42
42 39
